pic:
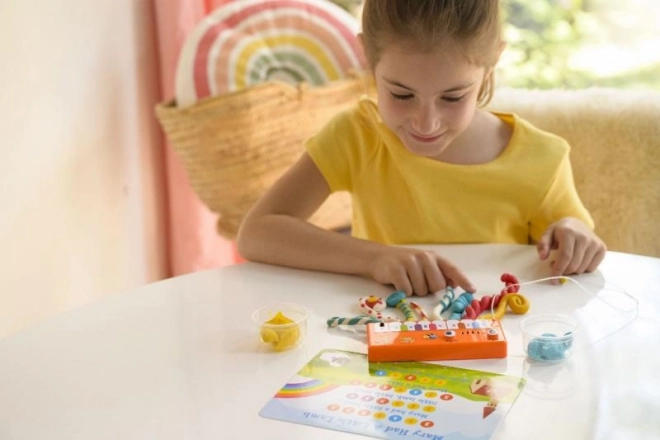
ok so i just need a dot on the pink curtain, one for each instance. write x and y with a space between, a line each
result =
193 242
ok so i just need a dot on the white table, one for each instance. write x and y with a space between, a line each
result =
180 359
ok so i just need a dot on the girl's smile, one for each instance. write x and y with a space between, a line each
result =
425 139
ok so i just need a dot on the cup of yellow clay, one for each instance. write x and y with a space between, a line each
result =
282 325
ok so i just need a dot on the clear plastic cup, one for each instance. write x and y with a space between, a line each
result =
281 325
548 337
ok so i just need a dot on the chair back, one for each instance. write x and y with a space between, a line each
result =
615 153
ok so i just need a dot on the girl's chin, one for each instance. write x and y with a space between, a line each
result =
430 151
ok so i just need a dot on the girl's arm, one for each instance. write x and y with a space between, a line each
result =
569 229
276 231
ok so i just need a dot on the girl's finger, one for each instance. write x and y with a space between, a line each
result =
598 258
563 256
587 258
416 277
400 281
454 276
434 278
579 250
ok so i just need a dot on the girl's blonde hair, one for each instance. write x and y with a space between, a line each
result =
473 26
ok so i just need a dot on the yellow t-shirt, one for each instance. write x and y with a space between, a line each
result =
400 198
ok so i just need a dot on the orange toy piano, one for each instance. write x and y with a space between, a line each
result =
435 340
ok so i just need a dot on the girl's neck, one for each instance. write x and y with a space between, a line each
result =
483 141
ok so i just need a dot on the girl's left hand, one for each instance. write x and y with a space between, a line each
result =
578 249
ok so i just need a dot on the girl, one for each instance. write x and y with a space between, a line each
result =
426 164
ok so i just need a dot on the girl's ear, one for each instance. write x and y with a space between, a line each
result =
360 41
500 49
489 70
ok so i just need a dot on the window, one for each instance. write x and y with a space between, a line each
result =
576 43
581 43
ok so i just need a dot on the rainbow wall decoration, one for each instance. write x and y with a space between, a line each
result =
246 42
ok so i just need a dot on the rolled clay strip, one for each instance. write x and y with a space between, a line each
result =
518 303
420 311
358 320
459 305
444 303
404 306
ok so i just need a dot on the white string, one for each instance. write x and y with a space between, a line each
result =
614 288
584 289
565 278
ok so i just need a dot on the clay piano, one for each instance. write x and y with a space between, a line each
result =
435 340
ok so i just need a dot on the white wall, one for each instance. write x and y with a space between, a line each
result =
80 188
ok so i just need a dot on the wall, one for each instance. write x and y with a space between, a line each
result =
81 189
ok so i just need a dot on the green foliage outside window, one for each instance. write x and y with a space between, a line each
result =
541 36
548 42
545 37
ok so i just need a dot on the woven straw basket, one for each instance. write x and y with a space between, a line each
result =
235 146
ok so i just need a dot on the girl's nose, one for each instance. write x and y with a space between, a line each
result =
426 120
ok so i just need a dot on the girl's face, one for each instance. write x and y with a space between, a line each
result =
427 99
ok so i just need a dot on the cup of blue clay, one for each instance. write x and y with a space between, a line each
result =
548 337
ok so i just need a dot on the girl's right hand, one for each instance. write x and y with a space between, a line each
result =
417 272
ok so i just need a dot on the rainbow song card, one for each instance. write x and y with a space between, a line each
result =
341 390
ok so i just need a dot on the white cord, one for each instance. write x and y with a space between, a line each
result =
584 289
613 288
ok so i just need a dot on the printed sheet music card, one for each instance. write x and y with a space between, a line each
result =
341 390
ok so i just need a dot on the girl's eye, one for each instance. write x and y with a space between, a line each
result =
402 97
453 98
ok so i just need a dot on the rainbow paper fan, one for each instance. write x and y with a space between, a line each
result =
246 42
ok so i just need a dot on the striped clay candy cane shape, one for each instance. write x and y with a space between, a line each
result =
398 300
459 305
336 321
420 311
444 303
372 306
404 306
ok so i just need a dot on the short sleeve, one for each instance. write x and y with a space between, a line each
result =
561 201
337 149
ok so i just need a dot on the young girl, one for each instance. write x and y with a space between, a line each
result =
426 164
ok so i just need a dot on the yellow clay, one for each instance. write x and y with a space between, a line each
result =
288 338
278 319
280 332
268 335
